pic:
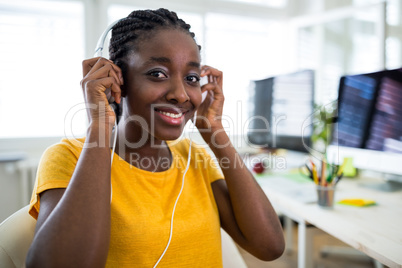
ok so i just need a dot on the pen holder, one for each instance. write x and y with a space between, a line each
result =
326 196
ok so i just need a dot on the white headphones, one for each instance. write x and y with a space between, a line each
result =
98 53
102 38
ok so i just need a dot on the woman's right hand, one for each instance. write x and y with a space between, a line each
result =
101 77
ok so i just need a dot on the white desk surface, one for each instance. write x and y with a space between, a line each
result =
374 230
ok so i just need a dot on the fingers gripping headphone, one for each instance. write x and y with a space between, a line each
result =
98 53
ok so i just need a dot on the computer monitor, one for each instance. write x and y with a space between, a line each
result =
369 124
281 111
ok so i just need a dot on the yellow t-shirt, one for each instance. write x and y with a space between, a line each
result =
142 206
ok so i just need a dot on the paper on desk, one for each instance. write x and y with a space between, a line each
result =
357 202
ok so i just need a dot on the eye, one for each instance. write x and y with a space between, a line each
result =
157 74
192 78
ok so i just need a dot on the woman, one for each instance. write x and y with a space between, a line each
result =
155 67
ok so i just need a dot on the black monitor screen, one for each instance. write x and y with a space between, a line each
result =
281 111
370 111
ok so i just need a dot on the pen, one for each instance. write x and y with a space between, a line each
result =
323 168
334 170
309 171
338 178
315 177
330 173
340 170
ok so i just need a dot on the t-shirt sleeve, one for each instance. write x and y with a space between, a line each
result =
210 164
54 171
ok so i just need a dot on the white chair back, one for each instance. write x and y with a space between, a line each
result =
16 234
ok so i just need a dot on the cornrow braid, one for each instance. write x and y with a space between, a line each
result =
140 24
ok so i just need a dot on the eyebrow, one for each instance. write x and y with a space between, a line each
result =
194 64
167 60
159 60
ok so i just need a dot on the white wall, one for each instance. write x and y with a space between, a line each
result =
14 192
10 197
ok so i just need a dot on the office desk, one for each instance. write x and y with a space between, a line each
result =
375 230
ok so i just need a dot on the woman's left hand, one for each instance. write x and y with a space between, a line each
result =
209 113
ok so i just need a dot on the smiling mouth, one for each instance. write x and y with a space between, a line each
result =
172 115
171 112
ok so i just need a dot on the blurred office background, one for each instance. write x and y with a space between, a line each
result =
42 45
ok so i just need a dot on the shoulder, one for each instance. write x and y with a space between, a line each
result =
73 144
55 169
65 149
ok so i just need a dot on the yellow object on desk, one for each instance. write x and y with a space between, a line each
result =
347 168
357 202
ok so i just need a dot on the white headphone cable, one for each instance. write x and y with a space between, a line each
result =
111 161
177 199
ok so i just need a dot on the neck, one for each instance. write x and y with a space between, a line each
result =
142 150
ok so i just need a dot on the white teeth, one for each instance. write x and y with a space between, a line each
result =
171 115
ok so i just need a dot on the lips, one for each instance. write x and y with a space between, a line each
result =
172 116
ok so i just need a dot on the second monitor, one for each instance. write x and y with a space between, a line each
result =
282 110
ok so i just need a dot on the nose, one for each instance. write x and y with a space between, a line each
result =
177 92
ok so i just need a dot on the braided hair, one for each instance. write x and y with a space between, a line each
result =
136 27
139 25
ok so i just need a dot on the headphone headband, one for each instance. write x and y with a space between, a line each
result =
102 38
